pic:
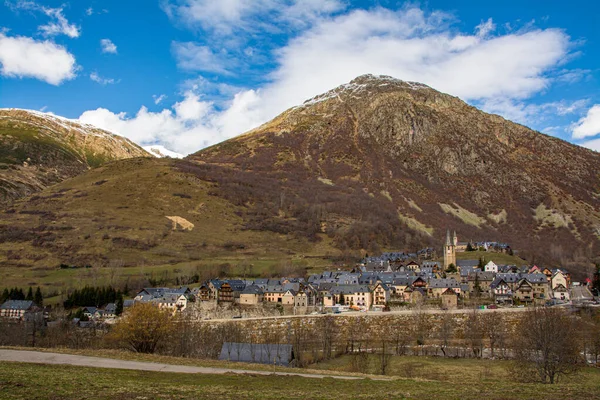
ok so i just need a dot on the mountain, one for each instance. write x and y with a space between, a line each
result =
38 150
374 164
161 152
371 158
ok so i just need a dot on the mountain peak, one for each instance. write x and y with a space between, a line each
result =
367 85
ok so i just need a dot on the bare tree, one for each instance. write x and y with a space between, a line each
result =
421 328
446 332
474 333
327 325
546 345
494 327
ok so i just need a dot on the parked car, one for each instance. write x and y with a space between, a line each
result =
492 306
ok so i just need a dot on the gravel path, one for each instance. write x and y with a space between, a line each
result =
39 357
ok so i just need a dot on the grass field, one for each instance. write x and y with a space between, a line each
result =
449 379
498 258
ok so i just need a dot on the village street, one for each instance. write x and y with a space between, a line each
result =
581 293
38 357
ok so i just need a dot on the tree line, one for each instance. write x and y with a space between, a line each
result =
18 294
92 296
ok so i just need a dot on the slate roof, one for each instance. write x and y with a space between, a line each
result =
497 281
236 285
110 308
252 289
535 278
443 283
274 354
350 289
23 305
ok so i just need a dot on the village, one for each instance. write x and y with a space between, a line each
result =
390 281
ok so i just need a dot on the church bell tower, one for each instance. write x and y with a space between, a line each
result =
450 250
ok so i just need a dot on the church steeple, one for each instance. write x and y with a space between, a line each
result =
450 249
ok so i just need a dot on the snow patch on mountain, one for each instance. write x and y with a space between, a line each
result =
161 152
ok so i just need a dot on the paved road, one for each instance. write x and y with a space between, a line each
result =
38 357
581 293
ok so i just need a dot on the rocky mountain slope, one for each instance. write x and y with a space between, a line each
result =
369 159
376 163
38 150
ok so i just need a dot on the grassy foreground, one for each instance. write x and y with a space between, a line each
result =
431 378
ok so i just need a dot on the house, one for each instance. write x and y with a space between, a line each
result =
558 278
204 292
418 282
466 264
491 267
161 291
288 298
18 309
524 291
273 354
535 270
413 266
274 293
252 295
560 292
479 283
172 302
225 293
398 286
357 295
91 312
110 311
449 299
540 285
501 291
381 294
327 299
436 287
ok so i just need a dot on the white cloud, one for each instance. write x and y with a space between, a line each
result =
58 24
190 125
485 28
89 11
228 16
592 144
193 57
589 125
108 46
24 57
103 81
158 99
530 114
500 71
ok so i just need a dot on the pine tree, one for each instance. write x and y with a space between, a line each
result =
38 298
342 299
119 306
29 294
5 296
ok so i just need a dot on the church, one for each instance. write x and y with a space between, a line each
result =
450 250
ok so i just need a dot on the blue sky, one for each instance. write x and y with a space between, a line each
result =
189 73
